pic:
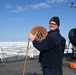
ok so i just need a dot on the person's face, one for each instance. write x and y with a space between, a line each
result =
53 25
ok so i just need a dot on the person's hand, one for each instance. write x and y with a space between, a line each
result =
32 37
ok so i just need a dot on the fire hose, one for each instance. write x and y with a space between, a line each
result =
41 35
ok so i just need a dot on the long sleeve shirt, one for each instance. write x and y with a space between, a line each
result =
51 49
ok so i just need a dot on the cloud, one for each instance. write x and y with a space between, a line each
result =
22 8
55 1
28 7
18 9
18 19
10 19
8 6
40 5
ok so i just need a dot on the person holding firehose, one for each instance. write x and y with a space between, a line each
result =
51 48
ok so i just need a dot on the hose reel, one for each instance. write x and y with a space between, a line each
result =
41 33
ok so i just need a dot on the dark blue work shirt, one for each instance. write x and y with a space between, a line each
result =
51 49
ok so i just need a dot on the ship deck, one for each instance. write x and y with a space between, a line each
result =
33 67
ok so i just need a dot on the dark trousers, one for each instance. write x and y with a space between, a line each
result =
48 71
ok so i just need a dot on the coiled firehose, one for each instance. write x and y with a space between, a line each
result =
41 34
